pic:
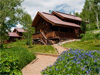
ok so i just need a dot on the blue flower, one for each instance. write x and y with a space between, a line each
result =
42 70
83 68
65 66
50 70
50 66
57 69
78 62
87 72
75 58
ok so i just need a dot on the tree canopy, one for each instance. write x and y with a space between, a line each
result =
11 14
27 21
91 13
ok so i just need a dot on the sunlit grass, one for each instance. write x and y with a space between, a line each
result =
86 45
34 48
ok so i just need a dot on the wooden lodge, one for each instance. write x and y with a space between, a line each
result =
12 37
19 31
54 27
16 34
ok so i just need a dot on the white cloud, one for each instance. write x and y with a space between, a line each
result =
17 26
33 6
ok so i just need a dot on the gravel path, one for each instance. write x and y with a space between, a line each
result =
40 64
34 68
59 48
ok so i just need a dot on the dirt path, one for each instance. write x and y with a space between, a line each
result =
59 48
34 68
40 64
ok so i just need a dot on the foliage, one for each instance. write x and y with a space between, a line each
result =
29 29
86 45
12 60
8 65
83 26
78 62
91 14
11 14
90 35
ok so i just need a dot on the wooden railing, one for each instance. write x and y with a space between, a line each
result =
36 35
55 34
64 35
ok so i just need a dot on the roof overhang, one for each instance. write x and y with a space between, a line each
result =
63 16
49 18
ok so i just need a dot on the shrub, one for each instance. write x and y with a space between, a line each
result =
9 66
93 34
90 35
78 62
14 59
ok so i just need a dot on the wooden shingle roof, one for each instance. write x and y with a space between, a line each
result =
53 20
13 34
66 16
19 29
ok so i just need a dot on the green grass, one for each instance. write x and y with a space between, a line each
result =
35 48
43 49
86 45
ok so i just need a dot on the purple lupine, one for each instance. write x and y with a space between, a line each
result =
83 68
87 72
78 62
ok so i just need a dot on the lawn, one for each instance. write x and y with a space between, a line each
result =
35 48
86 45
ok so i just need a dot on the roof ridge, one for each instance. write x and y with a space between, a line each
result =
18 28
47 13
11 32
66 13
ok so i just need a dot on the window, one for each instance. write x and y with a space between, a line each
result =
54 28
71 30
63 29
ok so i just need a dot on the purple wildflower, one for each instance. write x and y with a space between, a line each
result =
87 72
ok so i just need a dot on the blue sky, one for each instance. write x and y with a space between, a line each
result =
67 6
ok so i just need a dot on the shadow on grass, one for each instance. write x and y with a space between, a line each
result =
97 45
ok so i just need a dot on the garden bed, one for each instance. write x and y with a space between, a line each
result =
79 62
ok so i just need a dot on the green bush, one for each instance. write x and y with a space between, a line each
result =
9 66
90 35
75 62
14 59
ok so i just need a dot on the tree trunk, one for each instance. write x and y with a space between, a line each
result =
97 20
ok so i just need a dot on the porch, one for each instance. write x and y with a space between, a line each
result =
56 35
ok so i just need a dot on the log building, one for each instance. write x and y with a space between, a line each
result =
16 34
54 27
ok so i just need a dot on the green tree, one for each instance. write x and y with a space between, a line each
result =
27 20
77 14
10 15
91 13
